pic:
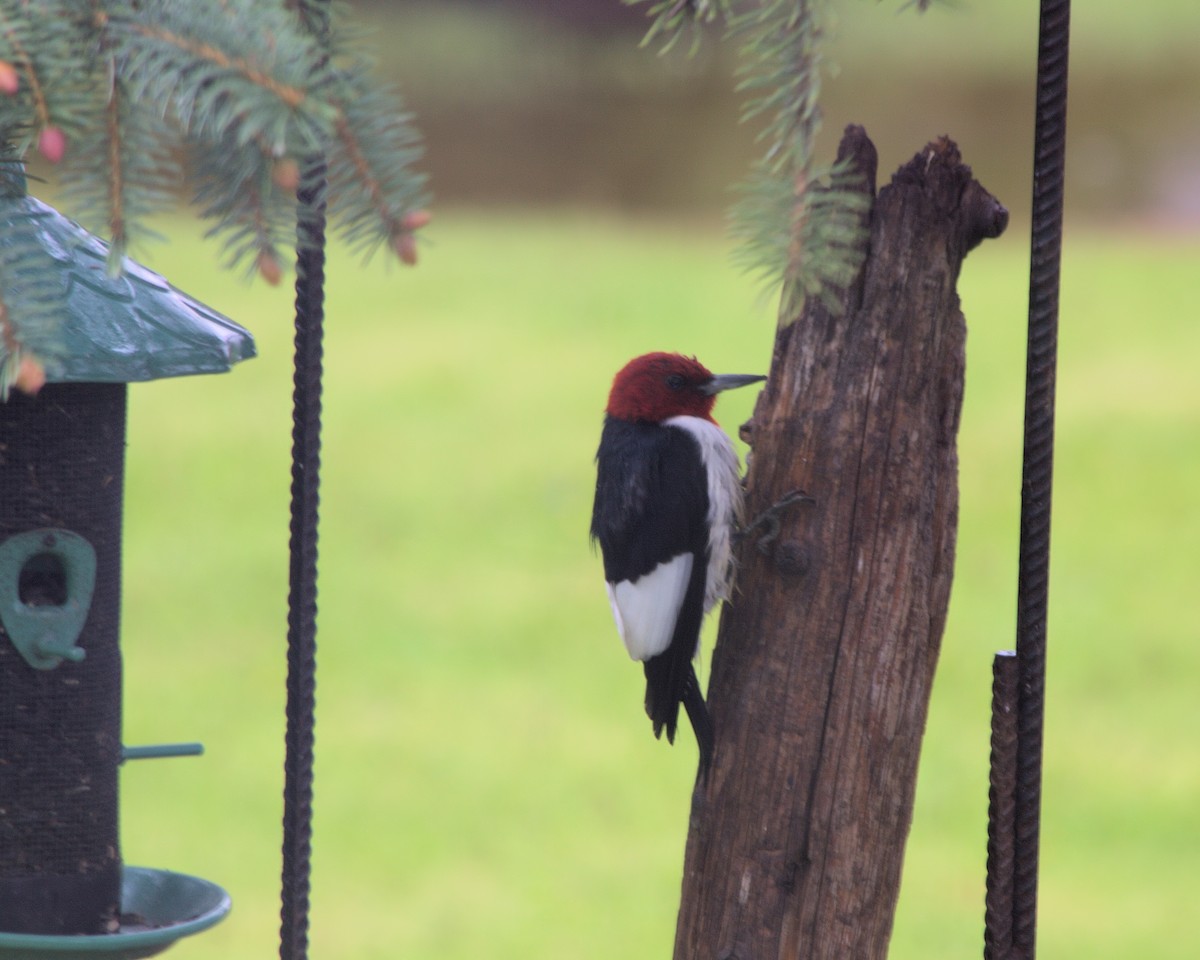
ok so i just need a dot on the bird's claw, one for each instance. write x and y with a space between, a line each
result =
769 518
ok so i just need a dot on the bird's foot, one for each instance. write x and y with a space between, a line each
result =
769 519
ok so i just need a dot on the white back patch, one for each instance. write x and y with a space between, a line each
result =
646 609
724 502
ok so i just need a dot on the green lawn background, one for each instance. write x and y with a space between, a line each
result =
487 784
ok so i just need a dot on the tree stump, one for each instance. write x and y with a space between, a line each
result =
825 659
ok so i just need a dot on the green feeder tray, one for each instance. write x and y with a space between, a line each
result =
158 907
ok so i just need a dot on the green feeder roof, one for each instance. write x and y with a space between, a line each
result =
132 327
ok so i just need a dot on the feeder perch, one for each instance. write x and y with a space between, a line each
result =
61 479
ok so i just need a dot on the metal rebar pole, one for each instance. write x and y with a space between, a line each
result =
1038 462
302 592
998 917
308 369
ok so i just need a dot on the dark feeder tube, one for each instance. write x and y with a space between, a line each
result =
62 467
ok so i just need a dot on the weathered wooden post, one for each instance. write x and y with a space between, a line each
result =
825 659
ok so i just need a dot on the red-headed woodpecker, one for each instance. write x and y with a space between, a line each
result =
668 501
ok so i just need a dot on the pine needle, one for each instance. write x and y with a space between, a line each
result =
797 223
138 97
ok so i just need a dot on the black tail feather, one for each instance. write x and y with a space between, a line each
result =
662 696
666 689
697 711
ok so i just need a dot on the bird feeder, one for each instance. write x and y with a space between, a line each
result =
63 888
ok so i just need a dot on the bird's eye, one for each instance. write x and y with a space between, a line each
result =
675 381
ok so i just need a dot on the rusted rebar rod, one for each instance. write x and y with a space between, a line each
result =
1038 462
302 579
998 918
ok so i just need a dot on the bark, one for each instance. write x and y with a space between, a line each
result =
825 659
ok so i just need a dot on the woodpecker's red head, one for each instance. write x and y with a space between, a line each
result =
657 386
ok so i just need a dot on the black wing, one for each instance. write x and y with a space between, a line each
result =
651 505
651 498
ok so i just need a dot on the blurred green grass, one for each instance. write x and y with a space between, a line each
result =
487 785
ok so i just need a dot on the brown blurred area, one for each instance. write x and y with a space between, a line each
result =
557 102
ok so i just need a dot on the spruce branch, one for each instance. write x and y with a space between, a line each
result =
237 73
137 147
251 211
117 225
25 67
314 15
361 173
800 221
31 39
672 19
797 222
206 53
137 98
32 295
236 87
375 198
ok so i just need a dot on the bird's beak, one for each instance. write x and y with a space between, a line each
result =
727 381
